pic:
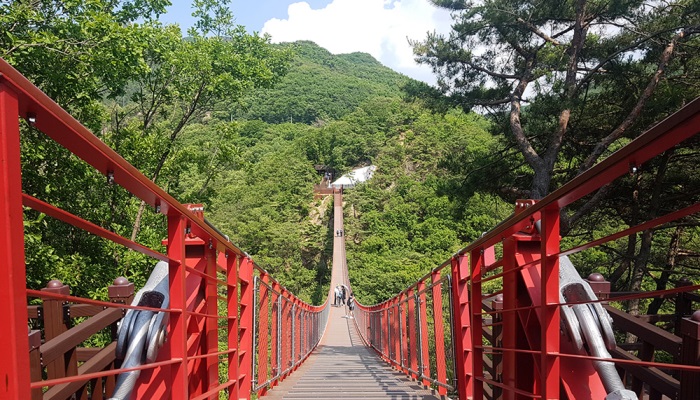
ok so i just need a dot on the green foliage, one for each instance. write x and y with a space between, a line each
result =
563 81
403 222
78 51
97 58
322 87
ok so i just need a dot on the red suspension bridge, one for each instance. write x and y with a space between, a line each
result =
208 307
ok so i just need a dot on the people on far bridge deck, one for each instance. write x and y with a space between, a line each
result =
351 306
336 298
343 293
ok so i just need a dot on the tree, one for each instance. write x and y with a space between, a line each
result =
208 71
569 76
78 51
570 82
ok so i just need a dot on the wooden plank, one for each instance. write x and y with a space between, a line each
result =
71 338
651 334
654 377
95 364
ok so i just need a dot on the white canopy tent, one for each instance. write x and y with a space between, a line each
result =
354 177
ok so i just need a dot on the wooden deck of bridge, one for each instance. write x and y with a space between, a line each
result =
342 367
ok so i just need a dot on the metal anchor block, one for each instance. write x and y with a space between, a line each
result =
142 332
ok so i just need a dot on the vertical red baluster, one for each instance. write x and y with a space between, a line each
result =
286 334
177 342
439 332
462 328
550 364
477 265
263 329
424 345
245 329
297 329
403 314
412 333
212 321
395 332
14 343
275 347
231 263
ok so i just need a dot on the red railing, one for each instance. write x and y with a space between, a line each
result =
202 265
287 331
507 339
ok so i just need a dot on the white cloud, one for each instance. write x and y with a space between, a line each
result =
378 27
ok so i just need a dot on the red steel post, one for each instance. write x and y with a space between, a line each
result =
231 262
412 334
285 334
177 342
212 321
477 265
549 317
386 327
403 313
297 329
439 329
275 347
263 330
423 347
512 331
245 328
395 332
13 282
462 328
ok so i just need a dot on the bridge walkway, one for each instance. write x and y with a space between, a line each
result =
342 367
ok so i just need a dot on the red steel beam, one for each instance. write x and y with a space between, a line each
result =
439 329
462 327
549 315
14 343
263 331
477 264
425 343
245 328
231 262
177 341
212 321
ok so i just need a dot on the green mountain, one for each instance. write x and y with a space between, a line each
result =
321 86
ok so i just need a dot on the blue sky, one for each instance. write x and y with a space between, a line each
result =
381 28
251 13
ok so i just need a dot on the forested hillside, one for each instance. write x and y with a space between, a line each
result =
227 119
322 87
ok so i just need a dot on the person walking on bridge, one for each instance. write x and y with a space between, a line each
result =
343 293
351 306
336 297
